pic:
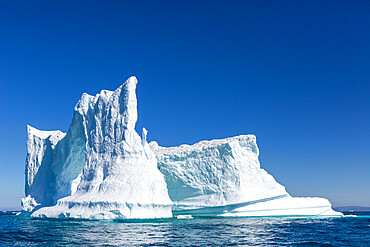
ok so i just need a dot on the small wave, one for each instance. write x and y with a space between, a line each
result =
8 212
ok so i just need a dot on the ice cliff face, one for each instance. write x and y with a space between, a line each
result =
40 145
100 169
224 178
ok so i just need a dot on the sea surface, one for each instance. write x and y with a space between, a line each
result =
345 231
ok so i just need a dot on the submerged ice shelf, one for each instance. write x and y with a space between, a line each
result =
102 169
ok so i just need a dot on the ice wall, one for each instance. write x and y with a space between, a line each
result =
224 178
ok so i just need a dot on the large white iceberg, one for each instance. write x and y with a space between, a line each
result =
102 169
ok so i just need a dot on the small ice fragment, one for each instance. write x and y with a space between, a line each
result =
184 217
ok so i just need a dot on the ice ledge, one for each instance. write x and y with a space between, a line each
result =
28 203
54 135
104 210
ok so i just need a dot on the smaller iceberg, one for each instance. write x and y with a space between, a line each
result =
224 178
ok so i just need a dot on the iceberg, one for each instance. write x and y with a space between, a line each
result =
223 178
99 169
102 169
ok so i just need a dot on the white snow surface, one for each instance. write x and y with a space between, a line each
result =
101 169
224 178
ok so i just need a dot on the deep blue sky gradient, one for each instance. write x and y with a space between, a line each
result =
294 73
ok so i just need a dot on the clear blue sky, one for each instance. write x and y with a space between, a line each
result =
294 73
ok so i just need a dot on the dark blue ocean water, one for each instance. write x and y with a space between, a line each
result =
347 231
